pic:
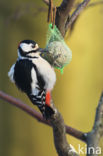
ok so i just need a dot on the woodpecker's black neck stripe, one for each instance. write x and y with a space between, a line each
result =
25 54
32 51
31 56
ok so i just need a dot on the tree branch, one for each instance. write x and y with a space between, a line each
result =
46 2
56 121
60 141
92 138
66 7
92 4
95 4
76 13
62 15
96 133
38 116
63 22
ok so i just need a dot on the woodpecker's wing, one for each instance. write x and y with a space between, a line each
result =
23 75
27 77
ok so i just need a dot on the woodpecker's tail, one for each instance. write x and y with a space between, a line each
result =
42 100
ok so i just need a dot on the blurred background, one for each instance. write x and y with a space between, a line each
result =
77 91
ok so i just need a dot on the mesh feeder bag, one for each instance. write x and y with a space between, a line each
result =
58 53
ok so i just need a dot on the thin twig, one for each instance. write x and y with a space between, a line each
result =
38 116
46 2
76 13
95 4
92 4
88 6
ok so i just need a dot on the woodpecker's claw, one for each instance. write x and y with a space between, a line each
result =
48 112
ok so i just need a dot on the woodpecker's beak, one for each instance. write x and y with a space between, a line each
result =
44 53
43 50
47 55
37 50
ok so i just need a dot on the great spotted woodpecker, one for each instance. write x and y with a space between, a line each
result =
34 75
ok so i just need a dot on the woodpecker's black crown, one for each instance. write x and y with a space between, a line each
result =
28 42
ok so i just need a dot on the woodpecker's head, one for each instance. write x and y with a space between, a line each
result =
28 48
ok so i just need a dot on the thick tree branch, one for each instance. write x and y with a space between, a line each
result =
92 138
56 121
96 133
66 7
60 141
38 116
63 20
62 15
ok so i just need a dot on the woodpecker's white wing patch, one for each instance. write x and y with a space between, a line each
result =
11 73
26 47
34 82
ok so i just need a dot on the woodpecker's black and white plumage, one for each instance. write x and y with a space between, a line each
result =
34 75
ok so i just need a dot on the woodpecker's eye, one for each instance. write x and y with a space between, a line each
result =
33 46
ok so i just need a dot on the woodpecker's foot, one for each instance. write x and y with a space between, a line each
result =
48 112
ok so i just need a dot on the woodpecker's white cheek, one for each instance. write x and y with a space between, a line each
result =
26 47
11 73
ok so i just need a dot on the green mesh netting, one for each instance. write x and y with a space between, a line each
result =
59 52
53 34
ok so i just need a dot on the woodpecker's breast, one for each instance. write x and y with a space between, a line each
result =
46 71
